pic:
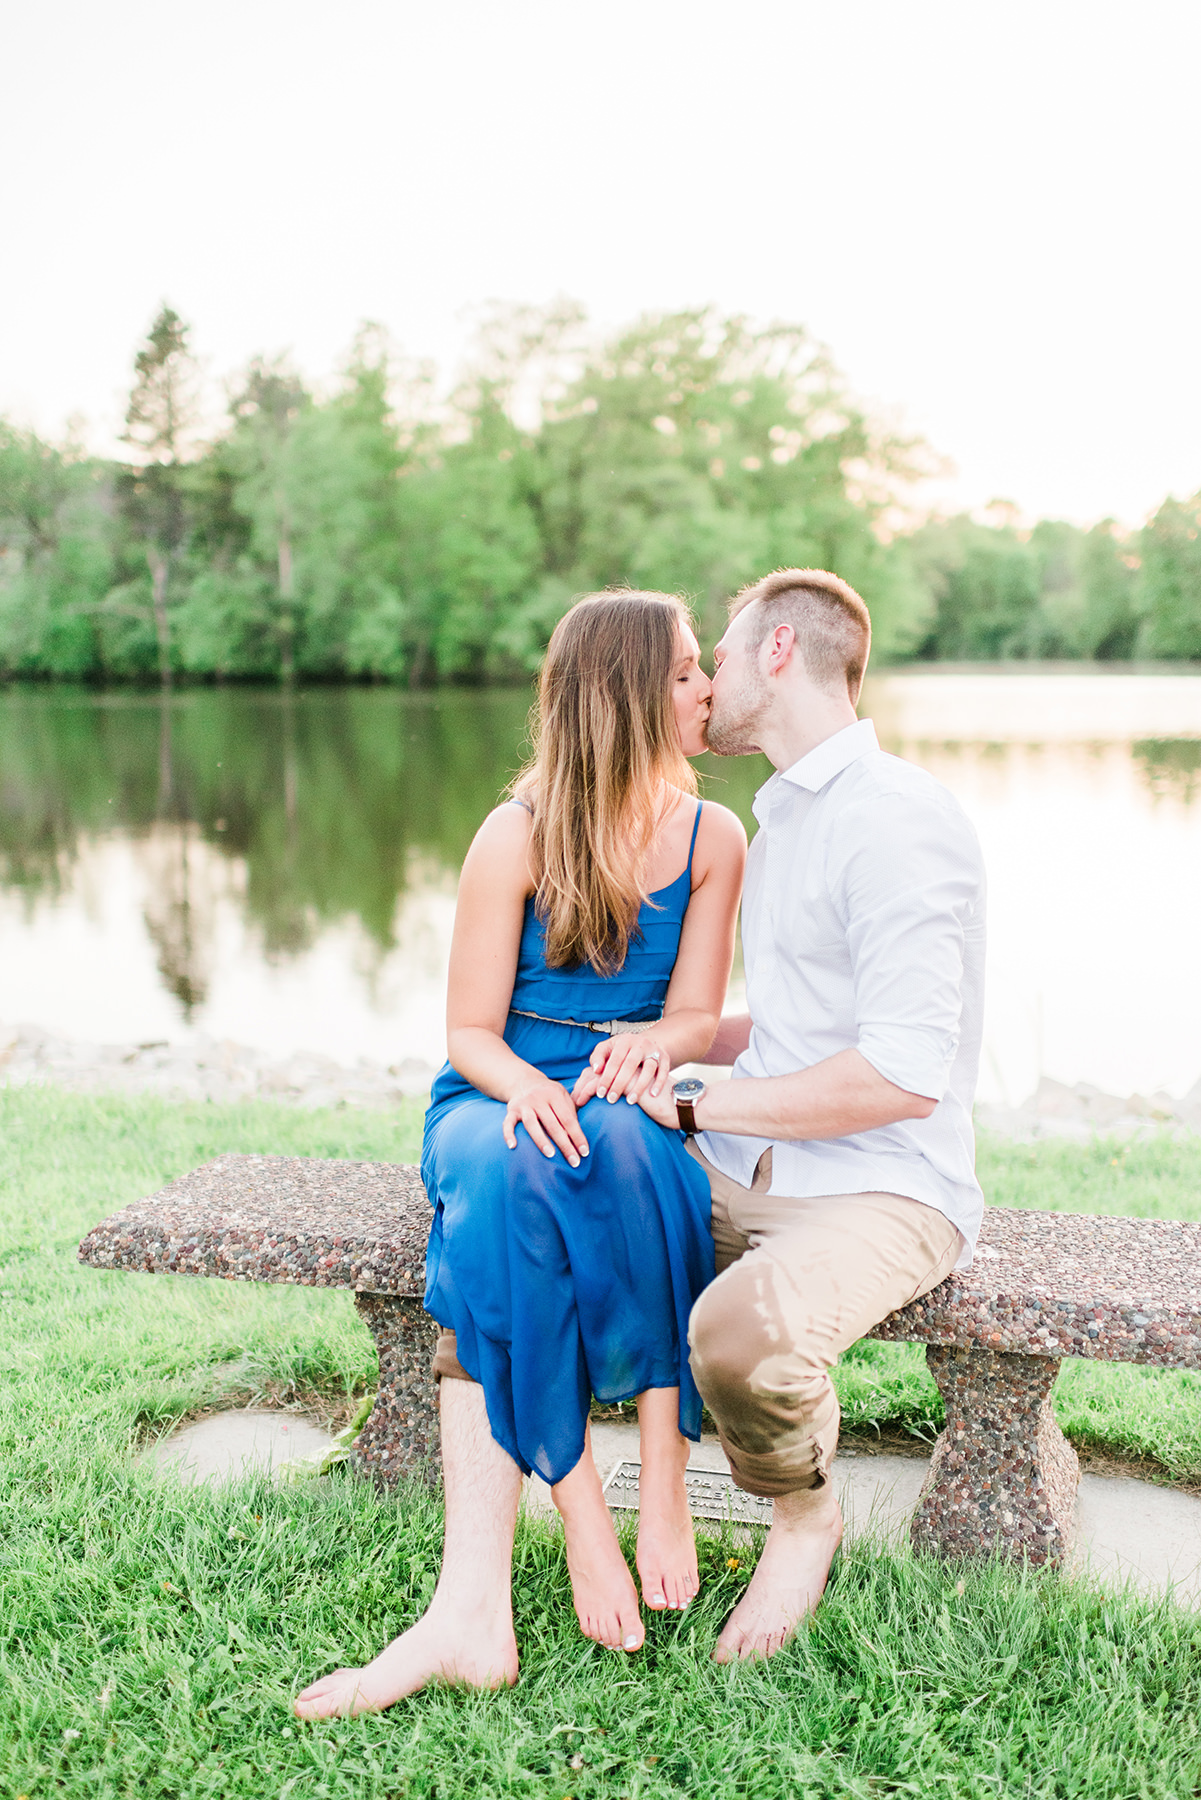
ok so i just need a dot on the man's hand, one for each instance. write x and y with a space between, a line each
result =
659 1104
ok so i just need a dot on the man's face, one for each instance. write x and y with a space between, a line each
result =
740 691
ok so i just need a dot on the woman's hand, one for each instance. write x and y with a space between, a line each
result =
631 1063
547 1111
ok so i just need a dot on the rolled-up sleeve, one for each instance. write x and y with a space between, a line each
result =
907 881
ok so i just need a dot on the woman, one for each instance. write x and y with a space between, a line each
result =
605 891
570 1241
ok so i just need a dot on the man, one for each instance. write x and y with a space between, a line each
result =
841 1154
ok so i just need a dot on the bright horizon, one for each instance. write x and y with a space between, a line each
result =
984 212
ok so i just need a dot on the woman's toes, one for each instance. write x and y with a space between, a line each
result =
685 1592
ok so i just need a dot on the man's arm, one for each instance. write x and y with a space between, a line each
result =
833 1099
730 1040
906 878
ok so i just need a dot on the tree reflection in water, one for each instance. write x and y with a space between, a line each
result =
327 794
292 859
1171 766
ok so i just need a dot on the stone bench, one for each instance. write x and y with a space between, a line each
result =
1002 1477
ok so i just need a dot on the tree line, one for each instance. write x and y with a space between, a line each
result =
379 530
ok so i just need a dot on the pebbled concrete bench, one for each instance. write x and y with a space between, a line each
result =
1002 1477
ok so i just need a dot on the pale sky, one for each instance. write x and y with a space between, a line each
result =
989 212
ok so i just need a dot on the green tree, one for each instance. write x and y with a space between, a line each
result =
55 555
471 555
1169 583
1086 592
692 451
1109 578
159 423
984 581
345 459
267 410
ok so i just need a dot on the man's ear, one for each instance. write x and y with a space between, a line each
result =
779 646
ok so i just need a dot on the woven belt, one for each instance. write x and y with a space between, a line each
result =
606 1027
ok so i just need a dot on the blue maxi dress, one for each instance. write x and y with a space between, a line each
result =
565 1283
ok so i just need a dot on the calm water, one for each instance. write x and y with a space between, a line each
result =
281 872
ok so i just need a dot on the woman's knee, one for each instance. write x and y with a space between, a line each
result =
622 1129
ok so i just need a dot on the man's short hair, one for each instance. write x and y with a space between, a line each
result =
833 627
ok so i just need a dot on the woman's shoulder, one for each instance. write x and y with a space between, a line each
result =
500 847
511 820
719 826
720 844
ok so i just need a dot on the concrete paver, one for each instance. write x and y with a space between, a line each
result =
229 1445
1128 1531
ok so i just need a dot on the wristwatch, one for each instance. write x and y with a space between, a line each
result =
686 1093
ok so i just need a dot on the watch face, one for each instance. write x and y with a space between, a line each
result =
689 1089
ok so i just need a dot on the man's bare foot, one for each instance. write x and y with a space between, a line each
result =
790 1579
440 1647
602 1588
666 1554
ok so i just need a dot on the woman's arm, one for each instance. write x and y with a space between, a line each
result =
624 1065
493 890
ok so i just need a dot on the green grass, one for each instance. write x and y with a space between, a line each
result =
150 1636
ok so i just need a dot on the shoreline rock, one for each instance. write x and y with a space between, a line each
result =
223 1071
1084 1111
206 1069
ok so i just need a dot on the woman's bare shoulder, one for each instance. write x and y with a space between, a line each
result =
510 822
500 848
720 827
720 846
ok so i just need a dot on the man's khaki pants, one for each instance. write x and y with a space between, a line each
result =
798 1282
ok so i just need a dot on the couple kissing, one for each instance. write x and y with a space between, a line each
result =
604 1230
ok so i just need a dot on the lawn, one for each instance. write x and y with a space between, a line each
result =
151 1636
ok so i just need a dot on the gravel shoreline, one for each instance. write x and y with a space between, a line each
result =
222 1071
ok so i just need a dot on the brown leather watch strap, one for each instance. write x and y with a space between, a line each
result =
687 1117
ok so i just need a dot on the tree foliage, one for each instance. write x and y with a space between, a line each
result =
377 531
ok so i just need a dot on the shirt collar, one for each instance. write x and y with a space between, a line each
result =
832 756
821 764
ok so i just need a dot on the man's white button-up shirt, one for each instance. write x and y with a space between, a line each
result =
863 928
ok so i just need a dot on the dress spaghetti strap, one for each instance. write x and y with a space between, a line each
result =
696 825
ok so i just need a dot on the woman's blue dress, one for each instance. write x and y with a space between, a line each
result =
565 1283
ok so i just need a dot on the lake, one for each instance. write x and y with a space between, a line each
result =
280 870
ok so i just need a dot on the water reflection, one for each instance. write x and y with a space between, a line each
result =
280 869
1171 766
324 796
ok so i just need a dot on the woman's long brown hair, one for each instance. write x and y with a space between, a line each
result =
605 740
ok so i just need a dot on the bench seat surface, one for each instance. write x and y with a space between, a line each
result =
1042 1284
311 1221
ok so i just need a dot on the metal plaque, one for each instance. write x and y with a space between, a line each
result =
711 1495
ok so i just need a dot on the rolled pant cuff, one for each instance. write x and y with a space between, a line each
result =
446 1364
792 1470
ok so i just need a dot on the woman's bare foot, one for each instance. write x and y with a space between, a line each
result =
790 1579
602 1588
440 1647
666 1554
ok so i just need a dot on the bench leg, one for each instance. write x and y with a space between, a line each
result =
1003 1476
401 1436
